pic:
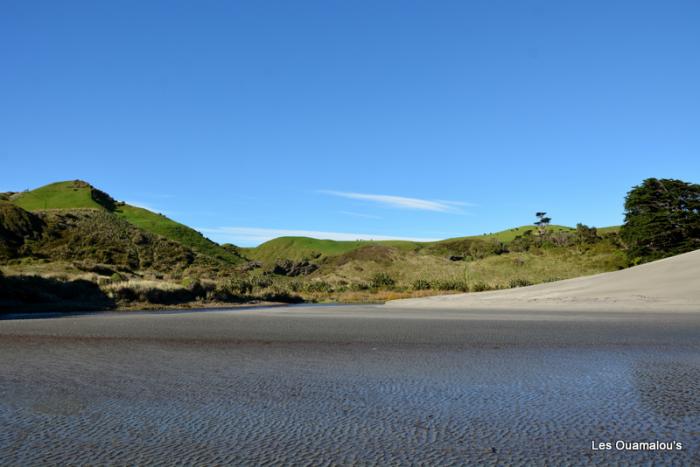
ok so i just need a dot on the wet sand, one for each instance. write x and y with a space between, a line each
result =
349 385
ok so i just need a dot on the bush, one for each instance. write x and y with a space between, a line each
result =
450 284
319 286
585 234
279 294
421 284
359 286
116 277
519 283
239 287
162 293
261 282
381 280
481 287
187 282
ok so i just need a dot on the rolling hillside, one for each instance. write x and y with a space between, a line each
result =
62 195
74 231
79 194
300 248
305 248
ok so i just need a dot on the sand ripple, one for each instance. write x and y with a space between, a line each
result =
119 402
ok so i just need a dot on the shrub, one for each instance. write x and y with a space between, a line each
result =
359 286
319 286
480 287
162 293
421 284
450 284
381 280
260 282
17 292
116 277
519 283
239 286
279 294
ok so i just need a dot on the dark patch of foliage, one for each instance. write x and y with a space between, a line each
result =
585 234
450 284
481 287
287 267
382 280
21 293
519 283
103 199
662 218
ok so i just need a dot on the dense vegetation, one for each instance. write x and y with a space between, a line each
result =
662 218
69 237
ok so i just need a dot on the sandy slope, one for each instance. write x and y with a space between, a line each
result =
665 285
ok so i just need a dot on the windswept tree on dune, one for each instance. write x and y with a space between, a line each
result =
662 218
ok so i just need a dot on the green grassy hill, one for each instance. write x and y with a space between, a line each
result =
509 235
60 195
168 228
79 194
299 248
73 230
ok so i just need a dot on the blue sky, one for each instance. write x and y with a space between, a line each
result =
337 119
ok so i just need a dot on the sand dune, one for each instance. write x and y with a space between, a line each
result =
666 285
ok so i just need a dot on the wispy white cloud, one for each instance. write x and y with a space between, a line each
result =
402 202
257 235
359 214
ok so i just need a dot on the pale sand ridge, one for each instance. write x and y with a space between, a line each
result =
670 284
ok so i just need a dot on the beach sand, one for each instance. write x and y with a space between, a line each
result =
320 385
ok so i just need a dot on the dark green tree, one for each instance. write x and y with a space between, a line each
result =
585 234
662 218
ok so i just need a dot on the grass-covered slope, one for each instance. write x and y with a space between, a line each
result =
426 270
79 194
509 235
60 195
168 228
74 231
300 248
89 235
